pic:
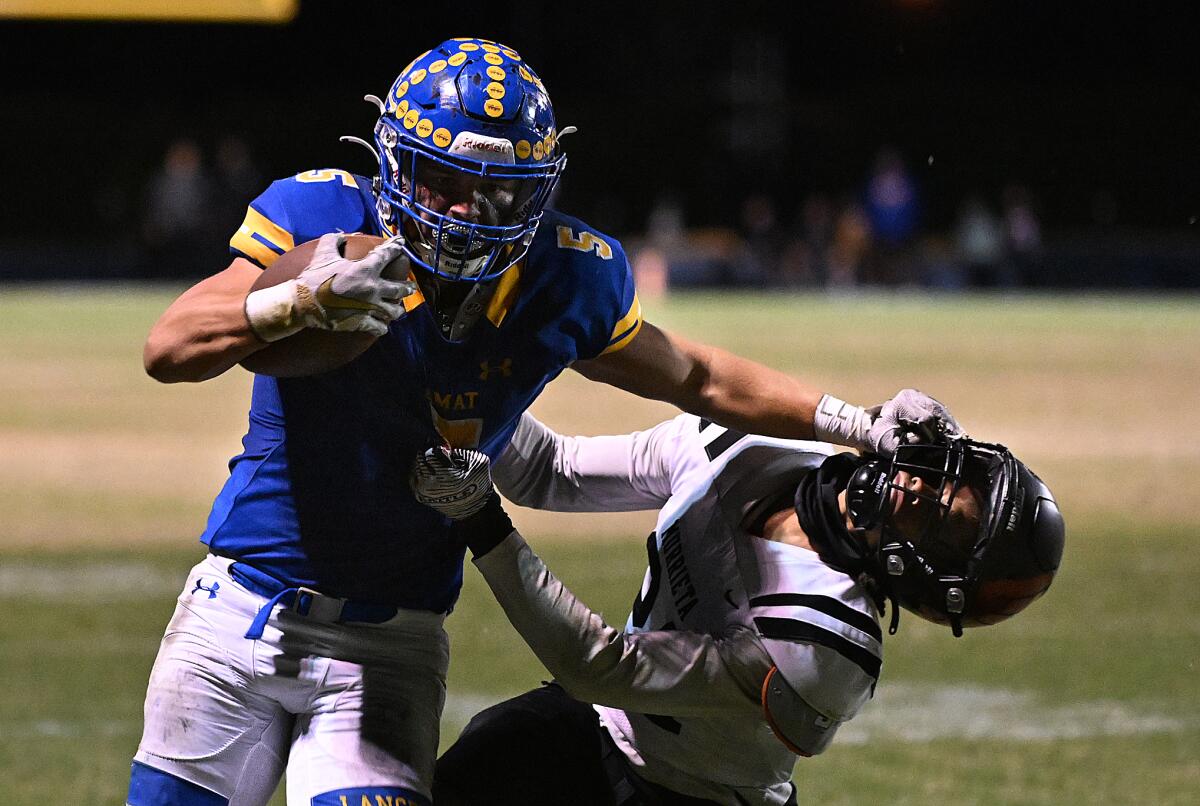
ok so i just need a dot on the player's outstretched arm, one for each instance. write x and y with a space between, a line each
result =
710 382
747 396
204 331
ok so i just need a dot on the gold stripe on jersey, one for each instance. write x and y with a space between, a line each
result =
414 299
506 292
459 433
256 223
627 328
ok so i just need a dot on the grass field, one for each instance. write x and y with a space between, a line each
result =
1092 696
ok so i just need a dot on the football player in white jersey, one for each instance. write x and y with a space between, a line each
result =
756 632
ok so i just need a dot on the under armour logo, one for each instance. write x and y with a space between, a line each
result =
212 592
486 369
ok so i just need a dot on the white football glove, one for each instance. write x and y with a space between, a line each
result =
456 482
334 293
908 418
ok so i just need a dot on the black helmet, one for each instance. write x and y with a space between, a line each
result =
995 572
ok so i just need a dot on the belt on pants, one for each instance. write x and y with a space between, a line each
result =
303 601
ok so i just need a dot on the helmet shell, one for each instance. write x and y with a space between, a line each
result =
474 86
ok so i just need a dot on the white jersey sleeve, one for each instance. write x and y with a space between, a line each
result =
678 672
546 470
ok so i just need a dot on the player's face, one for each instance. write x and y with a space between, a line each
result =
914 508
466 197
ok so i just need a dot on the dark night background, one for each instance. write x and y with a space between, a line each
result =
1095 111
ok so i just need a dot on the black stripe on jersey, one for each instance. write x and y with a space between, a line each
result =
721 444
827 605
791 630
669 724
704 423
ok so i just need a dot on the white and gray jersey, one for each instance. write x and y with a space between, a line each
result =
720 612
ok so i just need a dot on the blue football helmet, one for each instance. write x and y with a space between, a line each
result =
468 157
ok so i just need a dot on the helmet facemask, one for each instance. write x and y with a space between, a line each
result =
506 202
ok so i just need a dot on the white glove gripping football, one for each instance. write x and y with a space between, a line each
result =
456 482
911 416
333 293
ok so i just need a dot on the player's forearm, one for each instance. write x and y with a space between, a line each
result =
679 673
204 332
747 396
709 382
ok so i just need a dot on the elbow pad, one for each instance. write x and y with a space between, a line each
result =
803 729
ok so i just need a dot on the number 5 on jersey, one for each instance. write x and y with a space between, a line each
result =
586 242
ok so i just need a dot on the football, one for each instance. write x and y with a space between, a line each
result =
310 351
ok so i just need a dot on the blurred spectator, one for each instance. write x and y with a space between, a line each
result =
667 236
893 208
850 248
980 242
650 272
756 263
179 225
1023 231
238 181
665 225
943 270
805 260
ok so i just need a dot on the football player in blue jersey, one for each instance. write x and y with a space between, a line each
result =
311 636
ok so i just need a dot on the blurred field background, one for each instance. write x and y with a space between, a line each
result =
1089 697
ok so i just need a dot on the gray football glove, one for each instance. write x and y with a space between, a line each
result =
352 294
456 482
909 417
334 293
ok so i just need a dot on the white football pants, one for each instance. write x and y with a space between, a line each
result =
340 705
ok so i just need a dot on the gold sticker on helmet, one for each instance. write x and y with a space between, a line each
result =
547 146
441 138
524 73
495 89
437 66
489 48
457 59
424 127
417 77
463 39
495 73
523 149
402 108
493 107
493 58
468 46
410 118
537 150
403 88
512 54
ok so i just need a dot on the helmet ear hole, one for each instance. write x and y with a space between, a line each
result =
867 494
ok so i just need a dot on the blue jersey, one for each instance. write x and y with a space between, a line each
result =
319 495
